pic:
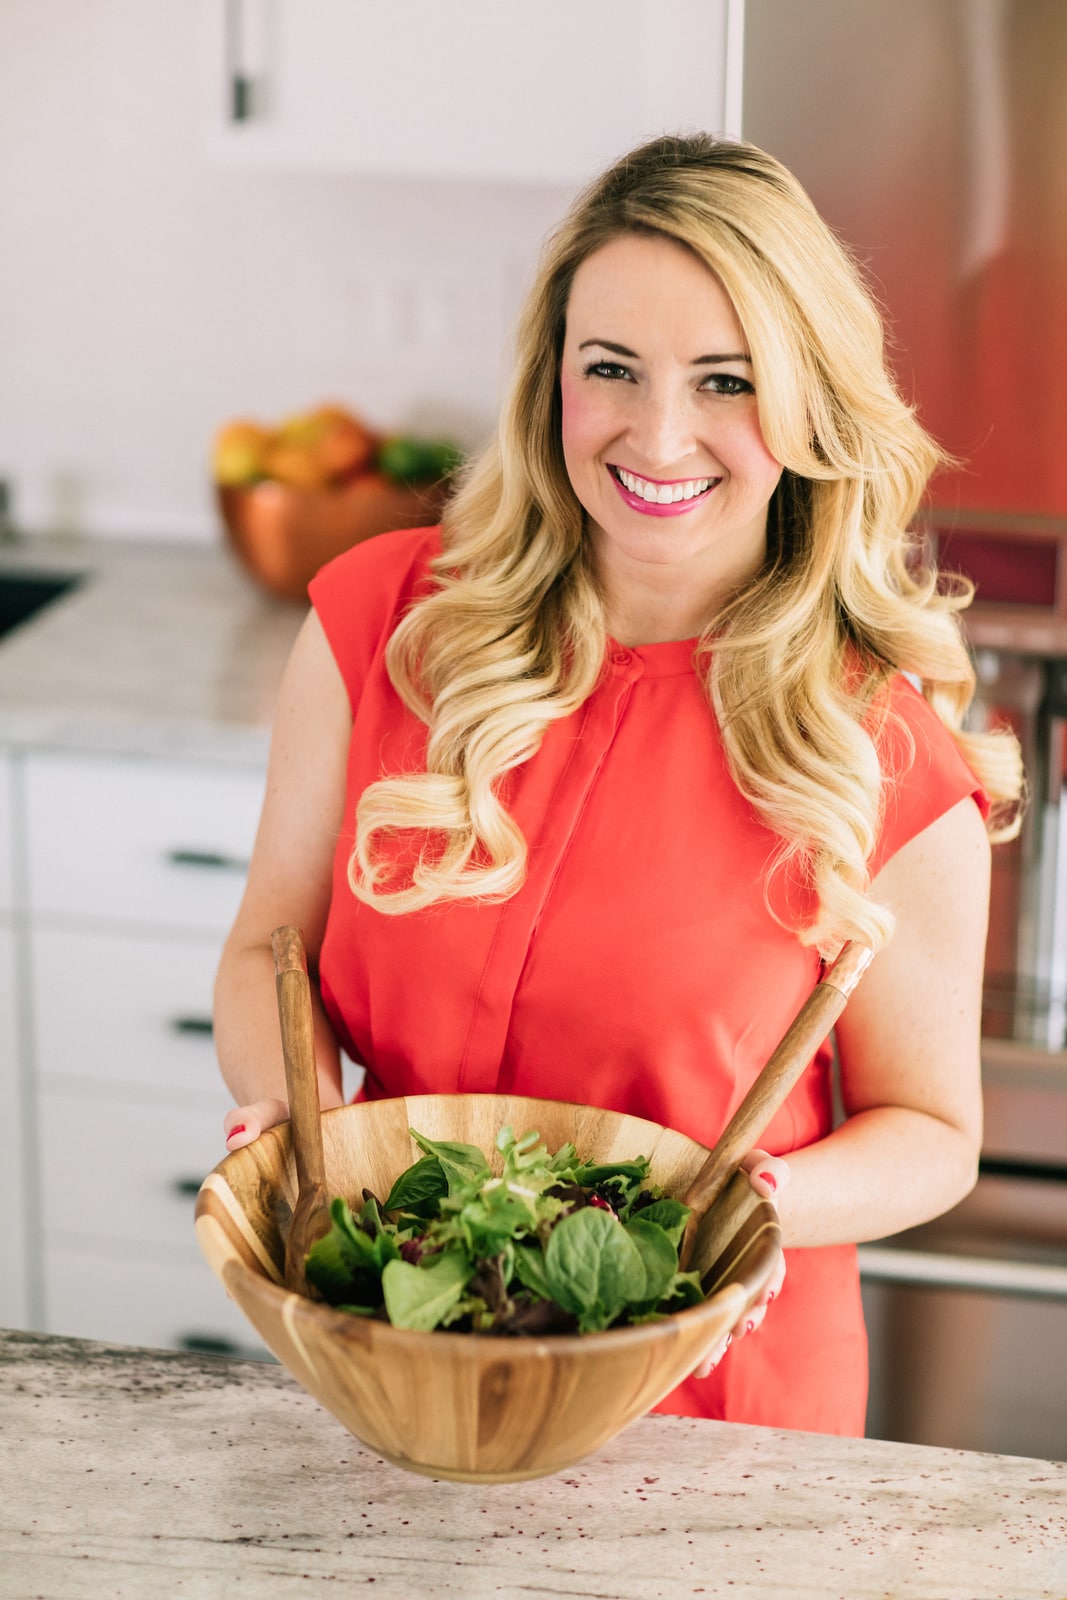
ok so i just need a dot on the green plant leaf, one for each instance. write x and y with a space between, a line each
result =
419 1188
670 1215
659 1256
593 1267
342 1257
530 1270
420 1297
462 1164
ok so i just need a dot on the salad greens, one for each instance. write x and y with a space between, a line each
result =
552 1244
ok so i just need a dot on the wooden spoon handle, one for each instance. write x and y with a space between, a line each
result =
309 1219
298 1049
812 1024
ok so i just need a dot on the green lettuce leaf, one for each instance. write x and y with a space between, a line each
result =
421 1297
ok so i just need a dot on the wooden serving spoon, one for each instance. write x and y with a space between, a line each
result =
311 1214
806 1033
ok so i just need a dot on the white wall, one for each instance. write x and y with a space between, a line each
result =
148 293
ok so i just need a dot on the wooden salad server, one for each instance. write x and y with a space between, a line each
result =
311 1214
806 1033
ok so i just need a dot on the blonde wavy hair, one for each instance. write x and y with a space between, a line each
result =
513 636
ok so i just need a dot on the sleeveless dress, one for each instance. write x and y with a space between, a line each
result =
637 968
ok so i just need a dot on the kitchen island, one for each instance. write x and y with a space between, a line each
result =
131 1473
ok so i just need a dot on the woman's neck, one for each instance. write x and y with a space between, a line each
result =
650 602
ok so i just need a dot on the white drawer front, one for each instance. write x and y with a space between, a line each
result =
114 1172
7 833
139 841
179 1305
13 1306
136 1012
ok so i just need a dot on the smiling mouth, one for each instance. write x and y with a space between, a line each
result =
662 494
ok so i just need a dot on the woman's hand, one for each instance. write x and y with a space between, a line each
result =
768 1176
245 1123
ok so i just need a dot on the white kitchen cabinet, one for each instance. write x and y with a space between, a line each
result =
160 1304
134 868
7 828
138 840
14 1299
125 1013
14 1306
479 89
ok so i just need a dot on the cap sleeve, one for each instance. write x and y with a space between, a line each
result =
360 596
924 773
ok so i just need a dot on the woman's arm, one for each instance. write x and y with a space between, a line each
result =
909 1050
288 882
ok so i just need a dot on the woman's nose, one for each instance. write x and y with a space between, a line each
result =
663 430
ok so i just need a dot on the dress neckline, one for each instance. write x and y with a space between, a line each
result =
666 659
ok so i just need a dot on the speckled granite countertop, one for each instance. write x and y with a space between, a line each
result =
162 649
132 1473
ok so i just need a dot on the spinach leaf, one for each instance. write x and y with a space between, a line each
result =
461 1164
671 1215
659 1256
419 1188
420 1297
591 1173
593 1267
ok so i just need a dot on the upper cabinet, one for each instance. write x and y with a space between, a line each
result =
492 90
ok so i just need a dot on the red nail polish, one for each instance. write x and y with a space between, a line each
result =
770 1180
240 1128
770 1296
749 1325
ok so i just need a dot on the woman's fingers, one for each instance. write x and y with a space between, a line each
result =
755 1314
245 1123
710 1362
768 1175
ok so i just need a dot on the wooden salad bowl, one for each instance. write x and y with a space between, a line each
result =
476 1408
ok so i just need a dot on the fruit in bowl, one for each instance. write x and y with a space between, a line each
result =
295 495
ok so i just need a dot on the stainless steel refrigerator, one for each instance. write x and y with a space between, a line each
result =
932 134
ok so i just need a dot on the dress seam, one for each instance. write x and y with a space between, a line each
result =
501 915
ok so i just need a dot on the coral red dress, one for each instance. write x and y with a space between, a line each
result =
637 968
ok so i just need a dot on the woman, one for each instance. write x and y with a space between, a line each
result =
572 798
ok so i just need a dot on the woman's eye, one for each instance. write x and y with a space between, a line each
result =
607 369
727 383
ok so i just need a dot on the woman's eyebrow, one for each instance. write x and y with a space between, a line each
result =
699 361
734 355
606 344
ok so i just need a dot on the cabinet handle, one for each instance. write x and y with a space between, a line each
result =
212 1344
245 69
1022 1167
931 1269
187 1188
214 859
196 1025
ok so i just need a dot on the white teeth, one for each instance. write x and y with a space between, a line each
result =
663 494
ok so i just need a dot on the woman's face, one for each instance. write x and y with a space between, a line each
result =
661 435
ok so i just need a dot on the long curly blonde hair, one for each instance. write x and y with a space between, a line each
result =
513 636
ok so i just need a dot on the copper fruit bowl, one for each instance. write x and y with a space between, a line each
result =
282 535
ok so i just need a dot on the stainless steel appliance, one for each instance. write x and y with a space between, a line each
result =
934 139
967 1317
